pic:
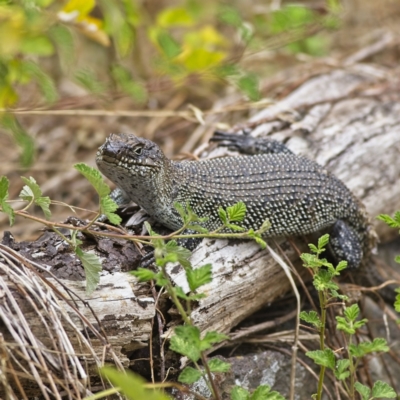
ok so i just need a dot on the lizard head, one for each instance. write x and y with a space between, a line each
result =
124 155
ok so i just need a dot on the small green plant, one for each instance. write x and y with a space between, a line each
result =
344 369
186 340
393 222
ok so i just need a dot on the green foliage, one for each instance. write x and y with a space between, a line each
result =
217 365
20 136
107 205
199 276
87 79
234 213
92 265
393 222
5 207
380 390
312 318
263 392
189 375
32 193
132 385
325 357
176 41
343 369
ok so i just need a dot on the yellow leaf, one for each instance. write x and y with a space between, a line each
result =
76 10
174 16
8 97
12 20
207 36
200 59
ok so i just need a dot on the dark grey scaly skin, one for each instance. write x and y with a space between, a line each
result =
295 194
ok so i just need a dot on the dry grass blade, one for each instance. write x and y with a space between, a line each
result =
36 349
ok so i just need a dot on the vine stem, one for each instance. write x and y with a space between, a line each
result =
322 301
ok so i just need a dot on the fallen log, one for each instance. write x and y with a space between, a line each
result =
347 120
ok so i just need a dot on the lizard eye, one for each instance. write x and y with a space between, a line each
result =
138 150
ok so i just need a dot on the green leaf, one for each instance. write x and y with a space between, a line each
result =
342 369
397 300
181 254
95 179
38 45
128 85
322 242
199 276
197 228
383 390
235 228
6 208
352 312
326 357
174 16
182 212
336 295
168 44
230 15
392 222
44 203
217 365
264 227
132 385
44 81
144 274
222 215
313 248
323 280
237 212
311 317
64 44
341 266
21 137
4 185
238 393
211 338
363 390
397 259
92 265
107 207
257 238
189 375
356 350
88 79
248 84
363 348
186 341
344 325
311 260
182 295
263 392
32 192
193 297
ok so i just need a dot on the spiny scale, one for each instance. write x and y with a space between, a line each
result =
295 194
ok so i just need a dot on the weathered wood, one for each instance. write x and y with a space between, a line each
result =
346 121
357 138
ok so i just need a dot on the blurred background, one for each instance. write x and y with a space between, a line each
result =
72 72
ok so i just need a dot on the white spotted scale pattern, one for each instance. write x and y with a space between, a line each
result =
295 194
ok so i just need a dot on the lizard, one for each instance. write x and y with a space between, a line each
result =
296 195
